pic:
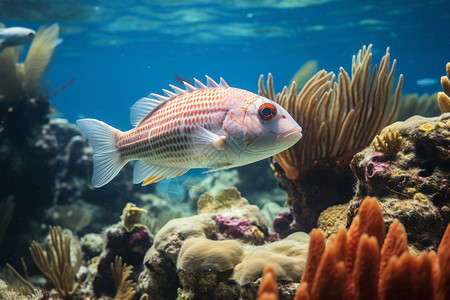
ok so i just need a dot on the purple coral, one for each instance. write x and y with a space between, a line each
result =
376 165
233 227
282 223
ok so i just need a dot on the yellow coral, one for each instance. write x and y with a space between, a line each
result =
390 144
444 97
427 126
226 199
131 216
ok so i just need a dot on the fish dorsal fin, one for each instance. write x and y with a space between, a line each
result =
142 108
145 105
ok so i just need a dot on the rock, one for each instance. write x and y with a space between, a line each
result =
412 186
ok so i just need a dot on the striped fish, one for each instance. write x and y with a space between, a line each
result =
205 126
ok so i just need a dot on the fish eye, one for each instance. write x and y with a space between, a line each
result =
30 33
267 111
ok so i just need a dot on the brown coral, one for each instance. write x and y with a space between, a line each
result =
390 144
56 265
444 97
121 273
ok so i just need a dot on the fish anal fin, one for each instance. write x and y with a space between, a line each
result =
147 173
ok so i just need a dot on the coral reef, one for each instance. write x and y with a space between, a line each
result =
338 119
413 185
444 97
362 264
215 254
63 160
130 245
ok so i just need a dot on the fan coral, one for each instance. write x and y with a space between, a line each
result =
390 144
57 267
444 97
339 119
121 272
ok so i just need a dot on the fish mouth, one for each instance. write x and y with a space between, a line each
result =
295 132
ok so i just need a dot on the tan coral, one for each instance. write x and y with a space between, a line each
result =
22 79
444 97
56 264
338 118
124 286
226 199
131 216
332 218
390 144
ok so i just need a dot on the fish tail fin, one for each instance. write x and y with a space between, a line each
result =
107 159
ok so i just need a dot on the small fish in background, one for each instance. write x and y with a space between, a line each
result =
15 36
205 126
423 82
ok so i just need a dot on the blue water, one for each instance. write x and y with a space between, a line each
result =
119 51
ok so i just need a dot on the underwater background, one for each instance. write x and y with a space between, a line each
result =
115 52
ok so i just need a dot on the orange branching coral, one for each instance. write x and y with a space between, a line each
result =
302 292
444 97
333 285
407 277
390 144
395 244
353 266
443 278
365 272
315 252
371 219
268 290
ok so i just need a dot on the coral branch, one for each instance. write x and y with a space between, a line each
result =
56 265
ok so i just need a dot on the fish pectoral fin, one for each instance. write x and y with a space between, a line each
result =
224 167
147 173
204 141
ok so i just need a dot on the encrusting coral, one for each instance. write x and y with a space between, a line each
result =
57 265
444 97
362 264
338 119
